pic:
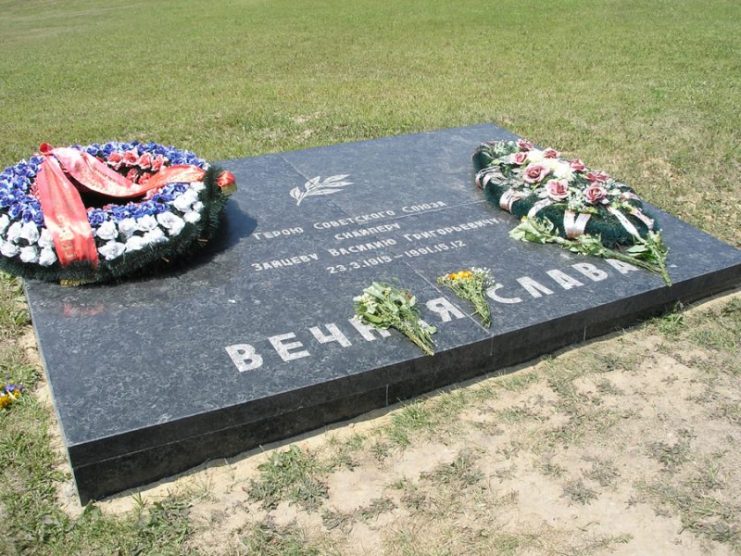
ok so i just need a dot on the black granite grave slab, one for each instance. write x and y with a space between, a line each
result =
252 341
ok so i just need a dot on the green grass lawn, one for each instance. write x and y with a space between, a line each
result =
648 91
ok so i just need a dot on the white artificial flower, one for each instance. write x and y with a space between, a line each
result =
47 257
181 203
4 223
111 250
9 249
107 230
127 226
197 186
146 223
134 243
198 207
564 172
30 232
154 236
173 224
29 254
184 201
192 217
14 232
535 156
45 239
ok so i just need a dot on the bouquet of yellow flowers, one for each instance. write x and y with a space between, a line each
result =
471 285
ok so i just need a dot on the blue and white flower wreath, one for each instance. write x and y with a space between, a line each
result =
166 222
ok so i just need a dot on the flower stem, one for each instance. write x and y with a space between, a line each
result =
482 310
424 345
657 264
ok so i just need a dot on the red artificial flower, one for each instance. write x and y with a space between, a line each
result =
145 161
115 159
130 158
157 163
226 182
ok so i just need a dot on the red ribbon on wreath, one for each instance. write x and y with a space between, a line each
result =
65 214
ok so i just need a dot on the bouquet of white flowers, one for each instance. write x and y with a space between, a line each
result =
385 306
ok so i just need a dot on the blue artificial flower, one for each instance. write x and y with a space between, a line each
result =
119 213
96 217
15 210
143 209
163 198
20 183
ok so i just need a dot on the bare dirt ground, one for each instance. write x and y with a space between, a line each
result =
624 445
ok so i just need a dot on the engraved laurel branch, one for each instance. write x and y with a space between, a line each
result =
313 187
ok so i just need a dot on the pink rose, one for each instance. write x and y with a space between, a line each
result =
157 163
595 194
115 159
557 190
130 158
551 153
519 158
598 177
535 173
132 174
524 144
145 161
577 165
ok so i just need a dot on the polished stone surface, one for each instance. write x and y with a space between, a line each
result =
252 341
